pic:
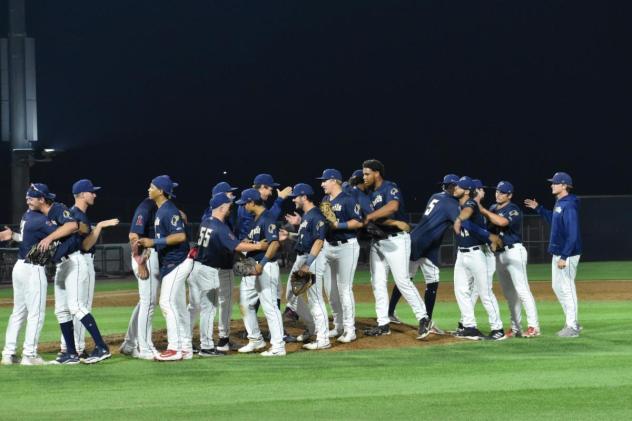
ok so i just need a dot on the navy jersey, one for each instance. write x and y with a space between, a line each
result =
143 220
363 199
313 227
34 227
245 220
425 239
388 192
216 244
168 221
264 228
346 208
59 215
466 239
510 234
565 238
81 216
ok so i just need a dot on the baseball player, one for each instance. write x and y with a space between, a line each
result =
225 301
138 342
565 245
175 266
441 211
85 193
511 260
472 268
264 285
311 258
212 267
29 279
391 253
341 252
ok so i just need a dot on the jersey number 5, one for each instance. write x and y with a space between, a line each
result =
430 206
205 236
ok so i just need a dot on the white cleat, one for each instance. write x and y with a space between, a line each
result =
169 355
347 337
333 333
149 355
279 352
303 337
317 345
10 360
127 349
32 360
252 346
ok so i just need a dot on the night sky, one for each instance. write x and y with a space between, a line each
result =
491 89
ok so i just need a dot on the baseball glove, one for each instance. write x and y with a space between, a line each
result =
141 255
328 213
375 232
245 267
41 258
301 281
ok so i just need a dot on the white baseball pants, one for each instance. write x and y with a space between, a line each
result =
511 266
340 266
173 303
71 288
87 296
29 304
564 288
265 289
428 269
393 254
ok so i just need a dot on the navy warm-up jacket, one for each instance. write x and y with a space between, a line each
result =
564 220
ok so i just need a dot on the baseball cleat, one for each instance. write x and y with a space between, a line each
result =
424 328
470 333
149 355
303 337
83 355
290 315
497 335
334 333
252 346
10 359
66 359
436 330
126 349
378 330
32 360
568 332
514 334
169 355
226 345
278 352
196 349
99 354
347 337
288 339
532 332
214 352
187 355
317 345
394 319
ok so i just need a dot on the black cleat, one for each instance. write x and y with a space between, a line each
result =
211 353
424 328
378 331
470 333
497 335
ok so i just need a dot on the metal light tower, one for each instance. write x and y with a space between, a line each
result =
18 102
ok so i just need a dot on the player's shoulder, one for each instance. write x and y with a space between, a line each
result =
470 203
513 209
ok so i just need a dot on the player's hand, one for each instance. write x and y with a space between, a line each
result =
258 269
43 245
294 219
457 226
561 264
304 269
496 242
402 226
263 245
6 234
283 194
531 203
146 242
108 223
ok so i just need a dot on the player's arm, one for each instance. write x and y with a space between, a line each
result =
384 212
400 225
65 230
544 213
482 234
246 247
91 239
313 254
464 215
170 240
270 253
570 227
7 234
495 219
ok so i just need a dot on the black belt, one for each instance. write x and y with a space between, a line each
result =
509 247
395 234
469 249
337 243
27 260
301 254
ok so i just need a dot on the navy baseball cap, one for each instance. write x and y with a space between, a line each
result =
302 189
266 180
166 184
505 187
357 173
466 183
248 195
450 179
561 178
330 174
219 199
84 185
478 184
222 187
39 190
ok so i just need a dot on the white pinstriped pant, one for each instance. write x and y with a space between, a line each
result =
339 269
563 281
173 303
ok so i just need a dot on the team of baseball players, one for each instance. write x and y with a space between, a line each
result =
488 240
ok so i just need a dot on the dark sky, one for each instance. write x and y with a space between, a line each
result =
492 89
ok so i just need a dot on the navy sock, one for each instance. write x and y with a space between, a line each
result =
430 296
257 306
279 303
68 331
91 326
395 296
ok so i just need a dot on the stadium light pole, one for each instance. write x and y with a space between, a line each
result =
18 102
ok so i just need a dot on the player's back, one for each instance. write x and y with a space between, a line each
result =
441 212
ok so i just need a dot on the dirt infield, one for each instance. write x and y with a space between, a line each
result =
586 290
